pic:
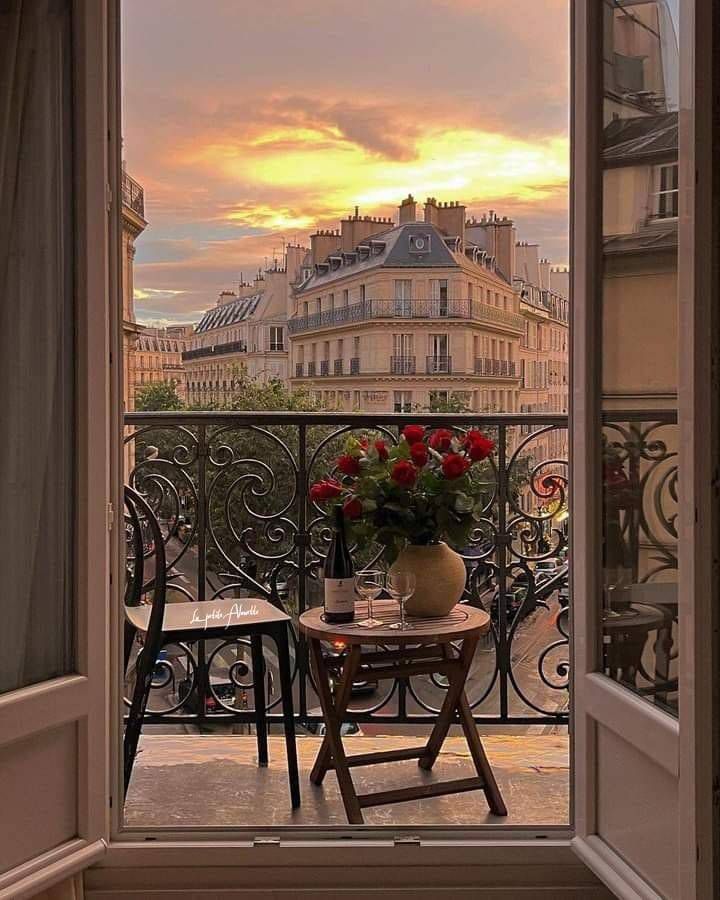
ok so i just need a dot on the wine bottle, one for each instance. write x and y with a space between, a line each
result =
338 575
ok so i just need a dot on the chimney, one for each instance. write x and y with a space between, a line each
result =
226 297
451 220
408 210
294 256
431 211
545 274
323 243
357 228
498 237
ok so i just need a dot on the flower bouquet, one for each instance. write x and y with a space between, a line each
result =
426 489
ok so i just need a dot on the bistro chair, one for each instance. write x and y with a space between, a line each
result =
161 624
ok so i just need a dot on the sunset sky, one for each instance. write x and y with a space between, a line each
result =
250 123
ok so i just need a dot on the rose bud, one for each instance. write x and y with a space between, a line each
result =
413 434
404 473
454 465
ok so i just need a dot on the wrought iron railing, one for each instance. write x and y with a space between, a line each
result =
324 366
231 493
299 370
438 365
355 365
133 195
368 309
501 367
215 350
402 365
337 367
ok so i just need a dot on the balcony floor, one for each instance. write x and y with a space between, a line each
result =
213 781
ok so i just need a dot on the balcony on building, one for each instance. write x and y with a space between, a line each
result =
133 195
337 367
402 365
324 366
311 369
299 370
355 365
438 365
503 368
370 309
215 350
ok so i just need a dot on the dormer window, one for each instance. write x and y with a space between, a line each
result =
664 203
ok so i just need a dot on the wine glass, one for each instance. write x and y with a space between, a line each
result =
369 585
401 587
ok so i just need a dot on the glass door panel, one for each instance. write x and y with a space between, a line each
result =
639 357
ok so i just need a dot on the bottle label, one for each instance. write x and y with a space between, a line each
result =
339 595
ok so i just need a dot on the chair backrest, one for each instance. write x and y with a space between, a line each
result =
146 549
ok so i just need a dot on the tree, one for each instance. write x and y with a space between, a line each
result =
158 396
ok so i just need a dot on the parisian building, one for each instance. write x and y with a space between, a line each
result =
159 356
414 315
133 225
245 333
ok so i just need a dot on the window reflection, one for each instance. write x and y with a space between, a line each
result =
639 347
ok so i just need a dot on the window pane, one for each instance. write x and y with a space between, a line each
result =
36 341
639 349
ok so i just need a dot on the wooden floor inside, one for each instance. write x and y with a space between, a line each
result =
213 781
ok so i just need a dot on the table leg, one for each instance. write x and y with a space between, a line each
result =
333 738
449 706
477 751
343 693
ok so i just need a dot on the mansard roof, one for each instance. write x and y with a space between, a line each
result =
641 138
411 245
229 313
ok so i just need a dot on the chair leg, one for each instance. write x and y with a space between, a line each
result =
138 705
281 639
258 665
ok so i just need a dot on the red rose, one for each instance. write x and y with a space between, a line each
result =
325 490
348 465
454 465
441 439
419 454
404 473
352 508
413 434
381 449
478 446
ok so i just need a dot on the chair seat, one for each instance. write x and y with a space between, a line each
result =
209 615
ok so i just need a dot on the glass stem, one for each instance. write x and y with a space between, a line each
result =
402 614
370 608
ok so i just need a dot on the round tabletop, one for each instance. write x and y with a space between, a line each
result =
639 616
461 621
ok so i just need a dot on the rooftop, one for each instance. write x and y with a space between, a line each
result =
229 313
641 138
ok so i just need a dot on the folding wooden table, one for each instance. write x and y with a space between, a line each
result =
425 649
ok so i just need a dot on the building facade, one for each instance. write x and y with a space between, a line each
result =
414 315
159 356
244 333
429 314
133 225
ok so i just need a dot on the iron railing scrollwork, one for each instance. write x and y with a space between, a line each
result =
231 493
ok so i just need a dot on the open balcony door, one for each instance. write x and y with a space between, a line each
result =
644 429
56 140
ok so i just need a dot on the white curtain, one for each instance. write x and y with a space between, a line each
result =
36 342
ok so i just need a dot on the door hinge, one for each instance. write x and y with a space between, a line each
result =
110 516
108 197
266 841
405 839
